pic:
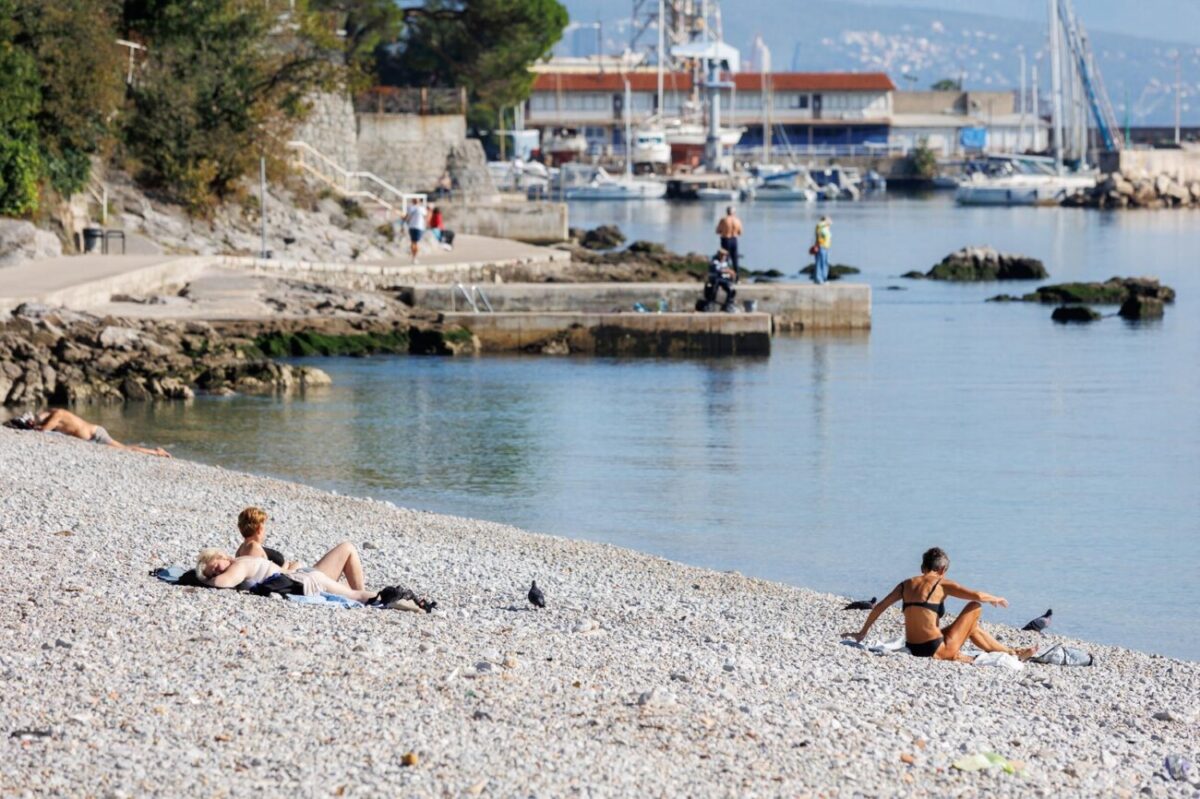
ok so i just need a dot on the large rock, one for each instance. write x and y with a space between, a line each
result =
1141 307
1113 291
22 241
1074 313
977 264
605 237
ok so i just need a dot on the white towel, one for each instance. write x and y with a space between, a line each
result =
1002 659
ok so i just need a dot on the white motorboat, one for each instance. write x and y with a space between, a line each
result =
650 150
1021 180
598 184
565 144
717 193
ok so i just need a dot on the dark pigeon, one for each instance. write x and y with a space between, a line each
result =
536 597
1040 623
862 604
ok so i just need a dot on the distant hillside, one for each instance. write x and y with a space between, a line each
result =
929 44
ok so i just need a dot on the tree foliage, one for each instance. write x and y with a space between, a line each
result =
20 165
79 68
368 25
486 46
222 85
947 85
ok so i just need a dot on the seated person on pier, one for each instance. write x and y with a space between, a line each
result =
67 423
721 275
922 614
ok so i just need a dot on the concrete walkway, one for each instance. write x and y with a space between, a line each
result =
86 281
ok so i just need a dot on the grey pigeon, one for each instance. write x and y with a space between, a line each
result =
536 597
862 604
1040 623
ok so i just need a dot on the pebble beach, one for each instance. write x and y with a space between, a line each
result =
642 677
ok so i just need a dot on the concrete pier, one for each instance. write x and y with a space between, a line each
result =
794 306
620 334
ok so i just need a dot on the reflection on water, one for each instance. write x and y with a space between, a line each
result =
1057 465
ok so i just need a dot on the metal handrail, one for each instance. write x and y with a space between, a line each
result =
343 179
474 298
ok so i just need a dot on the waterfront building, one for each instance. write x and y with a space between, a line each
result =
965 123
807 111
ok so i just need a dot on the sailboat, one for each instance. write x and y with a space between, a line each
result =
1029 180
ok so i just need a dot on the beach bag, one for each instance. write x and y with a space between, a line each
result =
813 250
1059 655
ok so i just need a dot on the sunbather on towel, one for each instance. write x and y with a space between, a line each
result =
922 614
67 423
219 570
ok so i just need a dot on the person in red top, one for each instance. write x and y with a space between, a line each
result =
437 227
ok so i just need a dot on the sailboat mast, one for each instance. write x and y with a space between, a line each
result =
1056 85
661 34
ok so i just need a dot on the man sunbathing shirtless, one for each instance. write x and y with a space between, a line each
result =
67 423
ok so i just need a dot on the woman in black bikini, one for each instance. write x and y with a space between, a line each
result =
922 614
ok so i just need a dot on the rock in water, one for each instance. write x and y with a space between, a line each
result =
1040 623
605 237
1141 307
536 597
1074 313
975 264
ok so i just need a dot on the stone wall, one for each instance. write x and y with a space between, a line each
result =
332 129
412 152
1180 165
534 222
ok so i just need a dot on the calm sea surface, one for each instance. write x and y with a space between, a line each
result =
1059 466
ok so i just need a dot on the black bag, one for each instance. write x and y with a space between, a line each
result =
278 584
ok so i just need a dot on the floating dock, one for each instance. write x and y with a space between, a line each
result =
619 334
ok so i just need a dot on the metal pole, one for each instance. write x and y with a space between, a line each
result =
1021 134
628 128
262 204
1035 101
1056 86
1178 92
661 49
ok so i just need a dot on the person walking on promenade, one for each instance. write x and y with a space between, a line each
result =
416 221
729 228
823 238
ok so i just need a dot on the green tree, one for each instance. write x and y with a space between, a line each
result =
922 161
224 82
486 46
947 85
73 44
20 165
364 26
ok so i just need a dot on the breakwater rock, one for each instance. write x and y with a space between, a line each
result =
1114 291
1118 190
52 355
981 264
836 271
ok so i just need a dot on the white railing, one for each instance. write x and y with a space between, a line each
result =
348 183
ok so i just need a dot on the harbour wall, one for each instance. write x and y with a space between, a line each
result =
1182 165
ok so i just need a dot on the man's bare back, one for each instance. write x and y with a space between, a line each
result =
729 227
67 423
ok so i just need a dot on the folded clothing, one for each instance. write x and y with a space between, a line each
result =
1059 655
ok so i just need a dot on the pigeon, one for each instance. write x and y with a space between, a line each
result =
862 604
1040 623
536 597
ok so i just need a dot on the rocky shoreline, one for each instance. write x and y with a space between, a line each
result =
642 677
1141 190
62 357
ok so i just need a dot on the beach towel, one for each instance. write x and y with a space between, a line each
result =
1059 655
178 575
1002 659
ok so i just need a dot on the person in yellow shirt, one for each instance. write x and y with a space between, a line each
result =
823 239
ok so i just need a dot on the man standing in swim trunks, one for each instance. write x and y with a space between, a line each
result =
729 228
416 221
67 423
